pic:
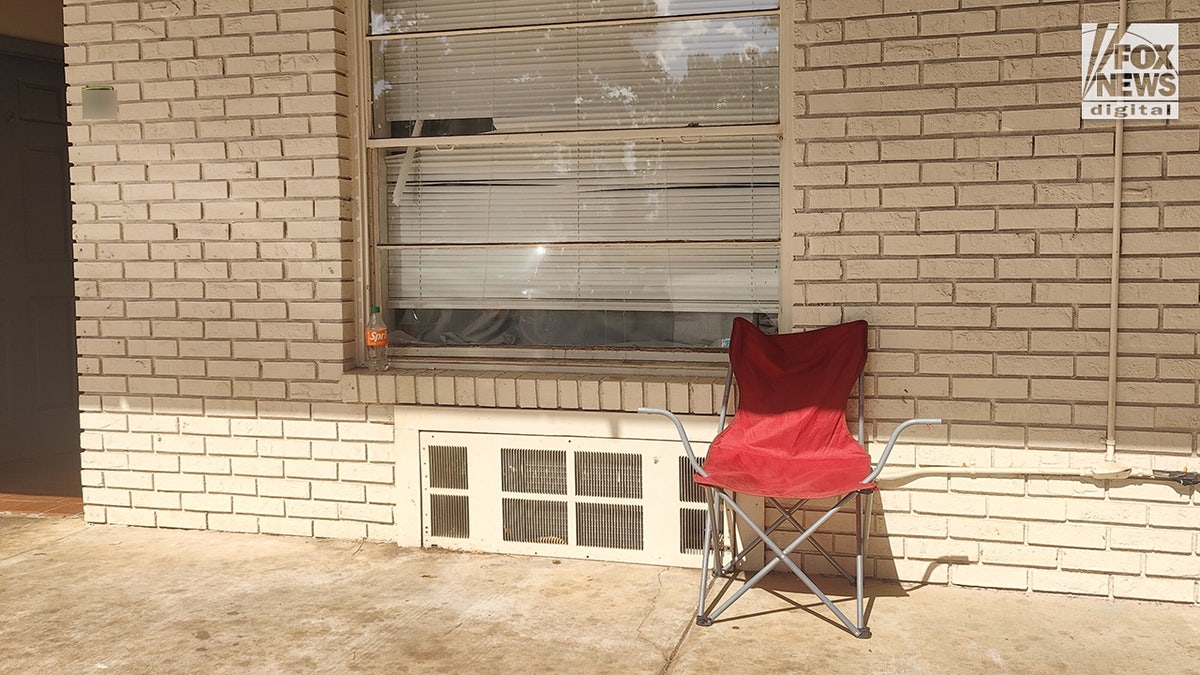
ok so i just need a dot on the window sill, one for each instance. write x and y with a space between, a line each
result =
695 389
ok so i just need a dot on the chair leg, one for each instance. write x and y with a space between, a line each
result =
706 550
781 556
863 527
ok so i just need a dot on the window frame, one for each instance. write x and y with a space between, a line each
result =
374 195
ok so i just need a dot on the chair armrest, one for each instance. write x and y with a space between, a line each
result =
892 441
687 445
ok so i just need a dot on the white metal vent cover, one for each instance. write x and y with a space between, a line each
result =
596 498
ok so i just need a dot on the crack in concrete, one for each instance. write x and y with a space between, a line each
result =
667 656
670 661
653 602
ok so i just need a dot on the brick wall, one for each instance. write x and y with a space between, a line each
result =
214 240
947 192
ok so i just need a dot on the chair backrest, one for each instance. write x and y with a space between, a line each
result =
793 388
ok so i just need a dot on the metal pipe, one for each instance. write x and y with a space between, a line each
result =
1110 439
1104 471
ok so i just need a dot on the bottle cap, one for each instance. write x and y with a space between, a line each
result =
374 308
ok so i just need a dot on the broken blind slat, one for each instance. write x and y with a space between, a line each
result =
637 191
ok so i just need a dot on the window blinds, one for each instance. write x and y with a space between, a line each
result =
407 16
636 191
686 221
680 73
677 278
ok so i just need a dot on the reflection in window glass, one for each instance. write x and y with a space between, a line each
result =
408 16
699 73
644 190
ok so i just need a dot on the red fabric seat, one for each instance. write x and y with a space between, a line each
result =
789 437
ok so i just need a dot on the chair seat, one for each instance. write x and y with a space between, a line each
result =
751 473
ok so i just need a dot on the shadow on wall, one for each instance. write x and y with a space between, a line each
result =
37 21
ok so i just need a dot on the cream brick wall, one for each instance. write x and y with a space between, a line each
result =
947 191
944 189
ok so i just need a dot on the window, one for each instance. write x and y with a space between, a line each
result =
601 173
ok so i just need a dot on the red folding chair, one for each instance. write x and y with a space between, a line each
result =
788 441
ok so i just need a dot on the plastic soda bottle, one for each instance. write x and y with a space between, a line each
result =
377 339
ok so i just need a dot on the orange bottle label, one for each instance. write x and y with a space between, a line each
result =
377 338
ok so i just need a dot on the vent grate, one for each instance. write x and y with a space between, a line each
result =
689 492
449 516
534 471
448 467
609 526
591 497
534 520
608 474
691 530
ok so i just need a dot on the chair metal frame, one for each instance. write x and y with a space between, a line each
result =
720 501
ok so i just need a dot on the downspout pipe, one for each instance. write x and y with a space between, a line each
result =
1110 439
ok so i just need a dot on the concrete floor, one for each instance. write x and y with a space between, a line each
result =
76 598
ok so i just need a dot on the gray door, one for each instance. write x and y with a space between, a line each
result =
39 398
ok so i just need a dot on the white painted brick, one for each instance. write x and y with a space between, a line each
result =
288 448
339 492
1183 566
366 473
182 520
1166 590
135 517
380 493
374 513
1156 540
1017 554
1102 561
95 514
1107 512
106 496
298 527
339 450
258 505
990 576
296 468
205 464
942 550
227 522
291 489
349 431
1080 583
950 504
128 480
207 502
1074 535
238 485
156 500
989 530
339 529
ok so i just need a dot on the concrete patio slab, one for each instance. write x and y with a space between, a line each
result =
109 599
